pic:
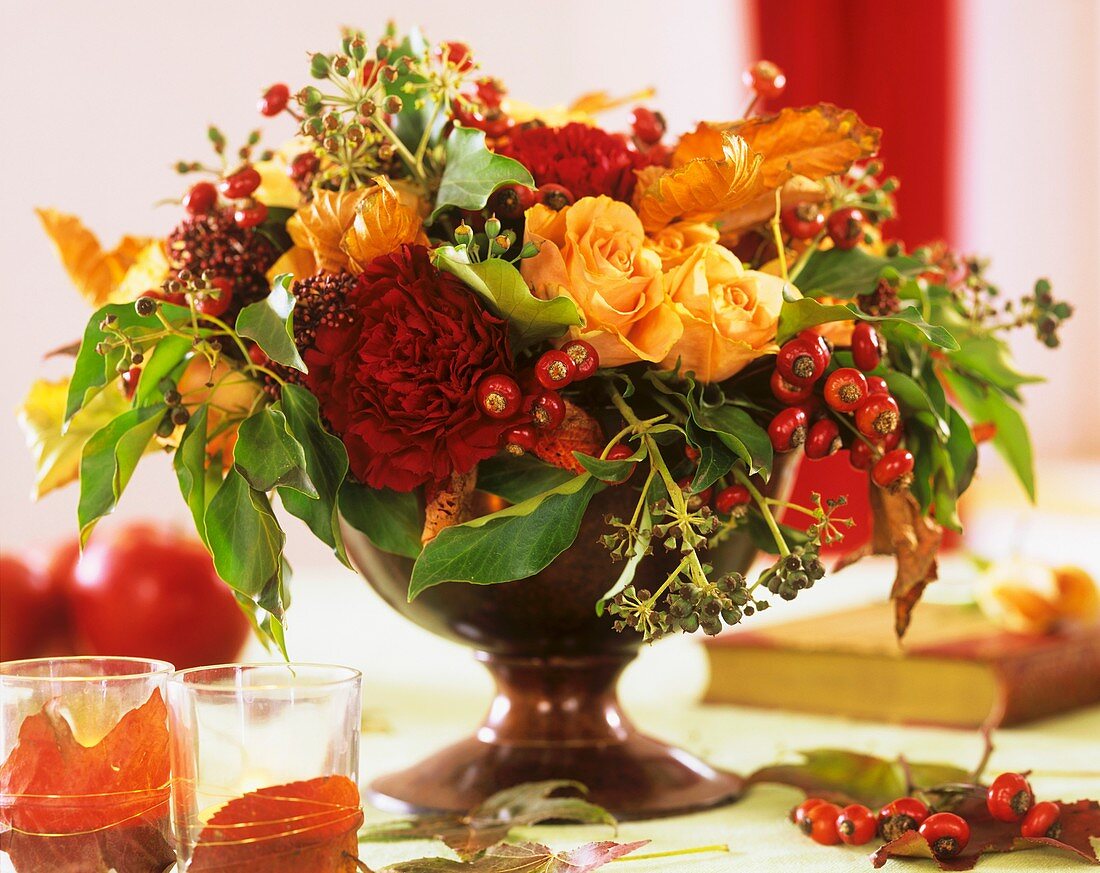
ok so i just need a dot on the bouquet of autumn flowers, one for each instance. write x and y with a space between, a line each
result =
435 291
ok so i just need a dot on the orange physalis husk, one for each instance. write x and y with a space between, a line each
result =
448 503
578 432
96 273
70 808
301 827
702 188
382 223
320 226
297 261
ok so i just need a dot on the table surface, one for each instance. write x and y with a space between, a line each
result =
421 693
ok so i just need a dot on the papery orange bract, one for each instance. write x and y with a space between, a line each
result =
701 188
320 226
69 808
578 432
382 223
301 827
96 273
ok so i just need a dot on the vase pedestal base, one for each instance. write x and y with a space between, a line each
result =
558 719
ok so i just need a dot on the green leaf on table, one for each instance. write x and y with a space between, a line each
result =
530 319
471 833
519 478
392 520
268 455
511 544
613 472
472 172
840 273
844 777
526 857
108 460
190 463
736 429
906 324
269 323
326 465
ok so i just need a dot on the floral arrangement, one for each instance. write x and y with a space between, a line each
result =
435 294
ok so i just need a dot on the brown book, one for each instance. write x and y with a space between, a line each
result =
955 668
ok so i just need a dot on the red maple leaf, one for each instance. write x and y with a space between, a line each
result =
301 827
70 808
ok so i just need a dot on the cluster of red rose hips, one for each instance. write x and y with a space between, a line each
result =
806 221
238 186
847 391
1009 799
500 396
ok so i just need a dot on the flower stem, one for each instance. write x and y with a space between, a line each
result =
765 510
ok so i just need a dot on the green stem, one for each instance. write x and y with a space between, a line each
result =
694 850
765 510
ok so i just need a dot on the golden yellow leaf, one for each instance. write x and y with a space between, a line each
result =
95 272
320 226
297 261
703 142
149 269
701 189
382 223
276 187
57 454
582 110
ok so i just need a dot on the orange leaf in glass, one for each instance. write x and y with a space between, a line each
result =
70 808
301 827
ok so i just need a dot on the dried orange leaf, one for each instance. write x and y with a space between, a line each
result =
450 503
95 272
321 226
701 189
382 223
149 269
578 432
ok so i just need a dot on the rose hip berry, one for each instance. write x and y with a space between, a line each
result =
240 184
866 348
555 369
200 199
215 301
303 166
648 126
877 385
584 356
894 470
819 824
861 456
878 415
787 392
899 816
845 227
694 501
130 382
274 100
498 396
803 220
619 452
728 499
787 430
800 361
547 410
845 389
766 79
258 356
799 813
856 825
511 201
555 196
1009 797
946 833
520 439
251 215
1042 821
822 439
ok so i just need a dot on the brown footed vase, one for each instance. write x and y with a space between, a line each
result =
556 663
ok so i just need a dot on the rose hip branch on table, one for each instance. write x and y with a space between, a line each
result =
544 384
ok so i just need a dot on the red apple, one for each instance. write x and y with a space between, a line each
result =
148 591
27 609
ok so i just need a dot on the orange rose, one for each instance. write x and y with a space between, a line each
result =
729 314
594 252
676 241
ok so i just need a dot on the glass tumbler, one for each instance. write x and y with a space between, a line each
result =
84 783
265 761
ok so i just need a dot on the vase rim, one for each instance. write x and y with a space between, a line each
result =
319 676
26 670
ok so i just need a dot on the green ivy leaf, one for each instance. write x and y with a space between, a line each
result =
189 462
799 313
613 472
108 461
326 462
268 455
472 172
962 451
840 273
269 323
511 544
518 478
530 319
391 520
417 110
167 361
736 429
715 457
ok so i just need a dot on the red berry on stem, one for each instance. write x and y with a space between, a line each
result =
845 389
866 349
800 361
892 439
819 824
547 410
856 825
619 452
555 196
240 184
788 392
728 499
901 815
878 415
893 470
555 369
251 215
201 198
692 453
498 396
798 814
947 834
303 166
766 79
519 439
130 382
787 430
803 220
458 55
845 227
510 202
648 126
1009 797
877 385
694 501
585 356
257 355
861 455
274 100
215 300
813 336
1042 821
823 439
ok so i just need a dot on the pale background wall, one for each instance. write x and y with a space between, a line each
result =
103 97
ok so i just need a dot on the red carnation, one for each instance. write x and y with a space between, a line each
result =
397 379
586 160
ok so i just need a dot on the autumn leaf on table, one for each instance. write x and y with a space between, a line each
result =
489 823
70 808
1080 823
525 858
301 827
